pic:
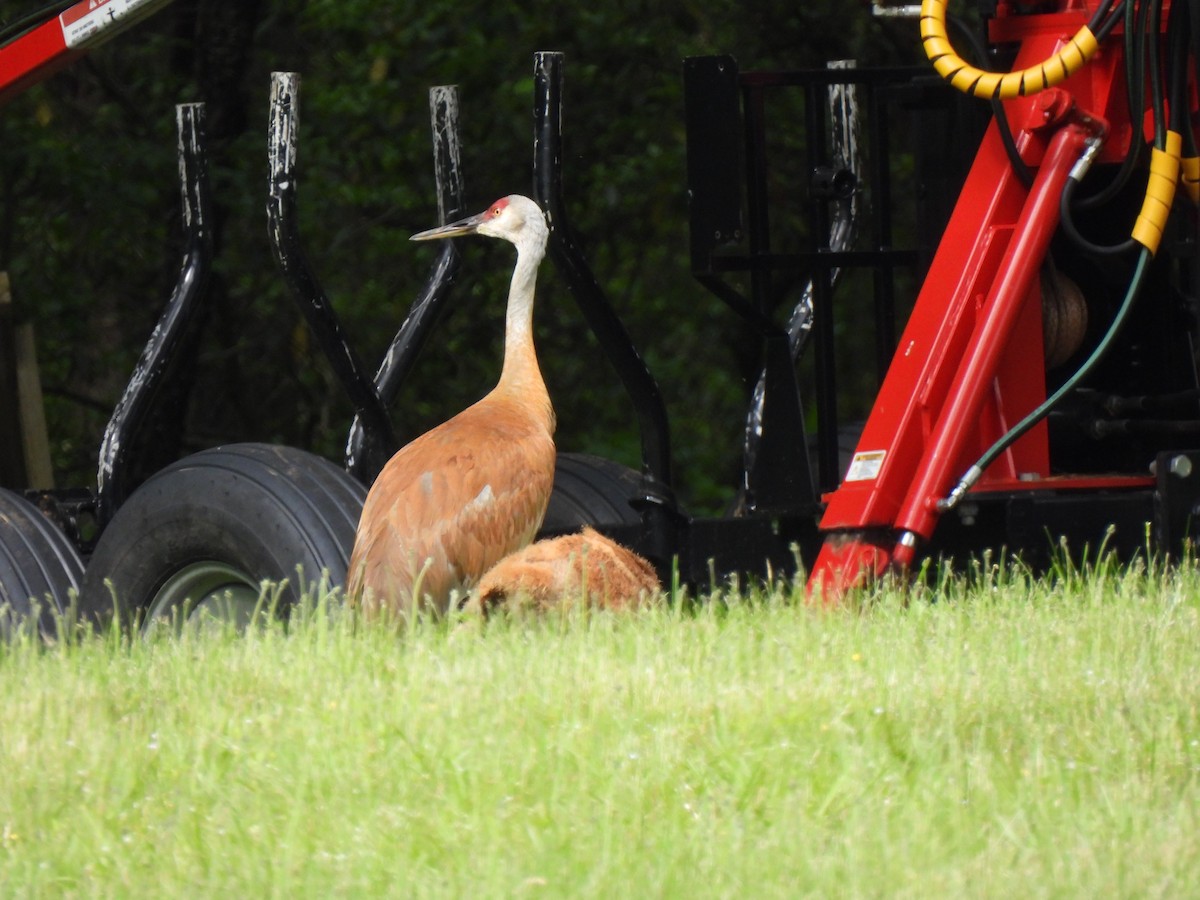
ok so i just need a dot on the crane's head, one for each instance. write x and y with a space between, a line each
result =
514 218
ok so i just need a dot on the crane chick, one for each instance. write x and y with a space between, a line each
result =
462 496
584 568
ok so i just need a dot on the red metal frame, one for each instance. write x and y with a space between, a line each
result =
62 39
970 362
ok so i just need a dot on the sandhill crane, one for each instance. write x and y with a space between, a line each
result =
460 497
584 568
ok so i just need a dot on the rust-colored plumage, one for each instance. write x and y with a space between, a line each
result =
586 568
460 497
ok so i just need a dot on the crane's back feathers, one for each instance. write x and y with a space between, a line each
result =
460 498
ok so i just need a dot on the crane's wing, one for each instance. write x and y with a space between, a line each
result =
447 507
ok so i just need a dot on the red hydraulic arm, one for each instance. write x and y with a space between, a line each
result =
47 47
970 362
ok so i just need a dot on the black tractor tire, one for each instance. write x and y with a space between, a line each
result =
200 536
591 490
39 566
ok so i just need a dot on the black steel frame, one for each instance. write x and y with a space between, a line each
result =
722 102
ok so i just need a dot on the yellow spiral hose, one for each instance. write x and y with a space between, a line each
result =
1160 193
1005 86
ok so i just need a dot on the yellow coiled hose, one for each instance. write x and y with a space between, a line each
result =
1164 164
1003 86
1160 193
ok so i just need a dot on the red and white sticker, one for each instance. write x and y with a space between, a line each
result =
84 22
866 465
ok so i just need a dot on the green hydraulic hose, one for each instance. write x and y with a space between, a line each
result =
1147 231
973 474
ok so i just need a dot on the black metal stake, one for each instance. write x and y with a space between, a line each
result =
176 326
823 321
881 233
380 442
430 304
776 474
639 383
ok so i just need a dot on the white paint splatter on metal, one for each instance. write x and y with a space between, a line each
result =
189 120
447 159
282 129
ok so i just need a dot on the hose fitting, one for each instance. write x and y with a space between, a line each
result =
967 482
1084 163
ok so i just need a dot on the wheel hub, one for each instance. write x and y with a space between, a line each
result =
206 591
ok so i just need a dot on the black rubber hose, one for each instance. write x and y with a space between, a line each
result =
1067 222
1135 89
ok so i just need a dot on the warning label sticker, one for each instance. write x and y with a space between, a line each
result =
866 465
83 22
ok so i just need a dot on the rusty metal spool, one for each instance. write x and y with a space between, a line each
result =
1064 317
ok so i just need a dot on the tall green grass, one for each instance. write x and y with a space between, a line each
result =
1007 738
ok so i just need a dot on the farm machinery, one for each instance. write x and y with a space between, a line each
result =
1040 392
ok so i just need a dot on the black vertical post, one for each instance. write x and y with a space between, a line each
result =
282 139
823 323
176 326
13 471
430 305
881 236
776 474
759 224
643 390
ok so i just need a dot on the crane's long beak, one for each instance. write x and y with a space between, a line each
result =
468 225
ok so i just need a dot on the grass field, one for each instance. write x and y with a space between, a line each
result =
1014 738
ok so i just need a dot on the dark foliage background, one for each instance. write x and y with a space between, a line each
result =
89 211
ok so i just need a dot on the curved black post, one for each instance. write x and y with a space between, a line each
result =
601 318
176 326
429 306
306 289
